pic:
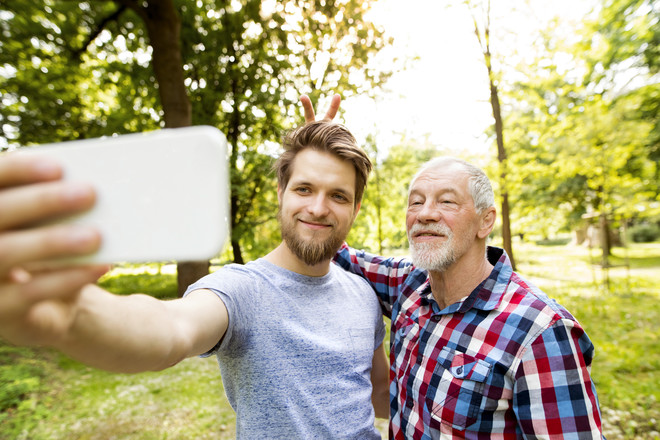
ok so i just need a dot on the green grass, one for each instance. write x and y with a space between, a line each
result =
622 319
185 402
46 396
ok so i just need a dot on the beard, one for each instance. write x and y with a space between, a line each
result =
311 251
435 257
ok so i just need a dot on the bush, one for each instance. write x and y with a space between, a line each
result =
644 233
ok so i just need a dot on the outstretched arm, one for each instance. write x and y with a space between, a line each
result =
310 115
58 306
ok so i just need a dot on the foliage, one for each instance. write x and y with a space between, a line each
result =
55 90
644 233
81 402
580 145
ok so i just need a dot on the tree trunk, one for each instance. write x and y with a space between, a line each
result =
232 138
484 42
605 240
502 158
164 28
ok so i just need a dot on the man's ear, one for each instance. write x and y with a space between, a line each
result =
279 194
357 209
487 222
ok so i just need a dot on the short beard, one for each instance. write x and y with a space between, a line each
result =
310 253
431 256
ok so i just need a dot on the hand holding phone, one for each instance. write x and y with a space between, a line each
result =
160 196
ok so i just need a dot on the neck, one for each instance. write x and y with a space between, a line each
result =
283 257
459 280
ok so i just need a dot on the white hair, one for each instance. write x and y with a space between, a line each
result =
478 183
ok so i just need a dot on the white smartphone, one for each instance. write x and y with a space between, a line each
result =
161 195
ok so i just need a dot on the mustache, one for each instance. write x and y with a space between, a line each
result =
436 228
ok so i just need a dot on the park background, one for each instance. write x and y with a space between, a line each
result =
558 101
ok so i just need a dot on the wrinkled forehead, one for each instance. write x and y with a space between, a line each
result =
442 176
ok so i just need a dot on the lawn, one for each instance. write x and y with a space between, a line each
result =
44 395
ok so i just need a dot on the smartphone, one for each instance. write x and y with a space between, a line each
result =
161 195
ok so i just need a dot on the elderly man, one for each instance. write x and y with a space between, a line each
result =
476 351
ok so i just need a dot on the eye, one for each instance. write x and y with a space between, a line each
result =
340 197
302 190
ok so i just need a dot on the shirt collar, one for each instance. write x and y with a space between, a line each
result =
487 295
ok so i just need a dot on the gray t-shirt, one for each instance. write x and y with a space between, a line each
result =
296 358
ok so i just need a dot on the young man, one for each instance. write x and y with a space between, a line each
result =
295 336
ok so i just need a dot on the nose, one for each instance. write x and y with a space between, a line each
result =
429 213
318 206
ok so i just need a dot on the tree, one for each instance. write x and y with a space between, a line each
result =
244 65
579 143
54 30
248 66
483 34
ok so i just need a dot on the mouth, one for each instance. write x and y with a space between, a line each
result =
430 234
315 224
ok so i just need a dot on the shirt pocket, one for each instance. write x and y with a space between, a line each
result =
455 393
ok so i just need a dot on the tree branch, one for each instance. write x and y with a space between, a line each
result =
97 31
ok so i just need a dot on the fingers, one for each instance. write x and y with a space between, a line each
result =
21 248
310 115
42 201
16 169
308 108
30 195
334 107
57 284
38 309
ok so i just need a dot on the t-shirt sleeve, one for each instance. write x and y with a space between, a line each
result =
228 283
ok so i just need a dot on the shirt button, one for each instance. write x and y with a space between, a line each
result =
436 318
459 370
409 403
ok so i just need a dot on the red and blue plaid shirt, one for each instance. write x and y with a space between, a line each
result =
506 362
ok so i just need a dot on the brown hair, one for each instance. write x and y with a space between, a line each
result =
327 137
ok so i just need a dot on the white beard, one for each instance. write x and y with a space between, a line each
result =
435 257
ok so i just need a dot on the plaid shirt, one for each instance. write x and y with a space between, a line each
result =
505 362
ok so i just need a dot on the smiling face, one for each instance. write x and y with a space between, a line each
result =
441 219
317 206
